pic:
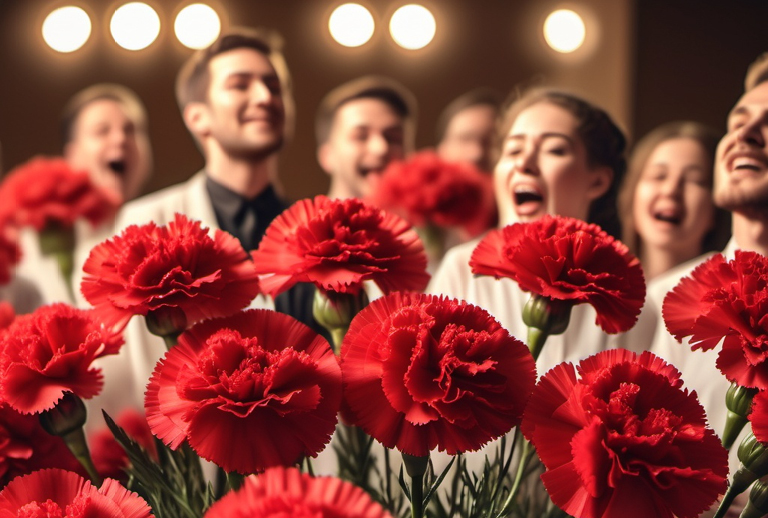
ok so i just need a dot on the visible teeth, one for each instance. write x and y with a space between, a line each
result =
524 189
524 194
747 163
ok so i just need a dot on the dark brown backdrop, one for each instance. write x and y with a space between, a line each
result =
654 61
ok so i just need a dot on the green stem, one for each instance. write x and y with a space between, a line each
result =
67 267
536 340
742 479
734 423
417 496
525 458
234 480
170 341
75 441
337 335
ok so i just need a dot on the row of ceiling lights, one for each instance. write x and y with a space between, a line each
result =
136 25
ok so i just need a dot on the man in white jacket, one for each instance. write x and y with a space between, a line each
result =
234 96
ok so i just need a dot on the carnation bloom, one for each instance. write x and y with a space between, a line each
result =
725 301
59 493
25 447
45 191
164 270
426 189
337 245
566 259
250 391
50 352
624 440
7 314
423 372
10 253
281 492
759 417
109 458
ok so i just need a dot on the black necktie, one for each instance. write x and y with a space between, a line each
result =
246 226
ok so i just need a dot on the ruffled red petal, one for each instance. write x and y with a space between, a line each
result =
337 245
247 392
570 260
423 372
288 492
624 440
149 268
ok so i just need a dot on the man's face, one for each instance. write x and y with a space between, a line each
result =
741 165
111 146
469 137
244 115
366 135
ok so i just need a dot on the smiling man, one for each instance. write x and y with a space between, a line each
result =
361 127
234 97
741 187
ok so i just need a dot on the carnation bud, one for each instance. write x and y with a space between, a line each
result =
544 317
67 416
551 316
168 322
55 239
416 467
757 505
334 311
754 464
738 401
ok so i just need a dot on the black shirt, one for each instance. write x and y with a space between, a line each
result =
247 220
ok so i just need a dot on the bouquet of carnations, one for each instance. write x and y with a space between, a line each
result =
410 385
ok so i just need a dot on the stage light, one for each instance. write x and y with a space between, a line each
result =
134 26
412 26
351 25
564 30
66 29
197 26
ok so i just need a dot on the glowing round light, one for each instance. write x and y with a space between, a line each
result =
66 29
135 26
351 25
412 26
564 30
197 26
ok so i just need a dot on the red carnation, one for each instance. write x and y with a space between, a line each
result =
423 372
45 191
425 189
624 440
108 456
566 259
164 270
725 301
48 353
338 244
250 391
59 493
10 253
25 447
7 314
281 492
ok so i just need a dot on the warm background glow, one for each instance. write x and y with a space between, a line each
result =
66 29
564 30
135 26
351 25
412 26
197 26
